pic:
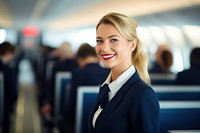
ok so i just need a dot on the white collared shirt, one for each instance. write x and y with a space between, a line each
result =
114 87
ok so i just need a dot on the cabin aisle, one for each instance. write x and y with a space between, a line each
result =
27 118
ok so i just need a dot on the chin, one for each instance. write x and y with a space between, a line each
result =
108 65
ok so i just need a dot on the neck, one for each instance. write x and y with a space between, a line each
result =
117 72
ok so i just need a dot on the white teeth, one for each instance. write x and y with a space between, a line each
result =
108 56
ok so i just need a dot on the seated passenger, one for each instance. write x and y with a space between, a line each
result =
91 73
64 61
7 51
163 60
191 76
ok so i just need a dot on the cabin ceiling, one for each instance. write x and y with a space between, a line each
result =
67 14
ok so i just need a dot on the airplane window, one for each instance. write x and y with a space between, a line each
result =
2 35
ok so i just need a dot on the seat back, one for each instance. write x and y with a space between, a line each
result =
179 115
177 92
86 97
184 131
1 99
62 88
162 79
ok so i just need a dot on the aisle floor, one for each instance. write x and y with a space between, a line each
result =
26 118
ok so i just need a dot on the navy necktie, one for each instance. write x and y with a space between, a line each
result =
104 96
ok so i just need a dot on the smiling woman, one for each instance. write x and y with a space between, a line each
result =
129 96
109 49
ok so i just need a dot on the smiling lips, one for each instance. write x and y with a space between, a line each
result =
107 56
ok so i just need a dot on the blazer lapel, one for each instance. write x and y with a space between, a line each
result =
110 107
94 109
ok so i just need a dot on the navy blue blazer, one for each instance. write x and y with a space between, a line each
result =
134 109
10 84
189 76
10 94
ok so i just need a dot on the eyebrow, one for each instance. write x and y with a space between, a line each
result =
108 37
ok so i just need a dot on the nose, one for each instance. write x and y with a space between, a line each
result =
105 47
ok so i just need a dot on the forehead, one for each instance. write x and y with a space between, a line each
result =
106 30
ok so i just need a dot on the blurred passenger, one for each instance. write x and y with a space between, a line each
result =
50 60
7 51
163 60
191 75
67 63
89 74
47 55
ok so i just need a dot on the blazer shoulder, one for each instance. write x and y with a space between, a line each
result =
140 92
141 89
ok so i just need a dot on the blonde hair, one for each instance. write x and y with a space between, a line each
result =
127 28
65 50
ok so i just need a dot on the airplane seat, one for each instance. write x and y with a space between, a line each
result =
162 79
62 88
179 115
86 97
183 93
1 100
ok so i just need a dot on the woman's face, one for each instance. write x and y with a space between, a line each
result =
112 48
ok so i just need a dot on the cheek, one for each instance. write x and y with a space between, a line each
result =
120 49
124 52
97 49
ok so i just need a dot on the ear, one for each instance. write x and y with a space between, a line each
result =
133 44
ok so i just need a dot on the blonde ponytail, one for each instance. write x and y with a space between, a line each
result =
140 62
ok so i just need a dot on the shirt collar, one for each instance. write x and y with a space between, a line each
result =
117 84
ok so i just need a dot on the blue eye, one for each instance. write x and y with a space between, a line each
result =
99 41
113 40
